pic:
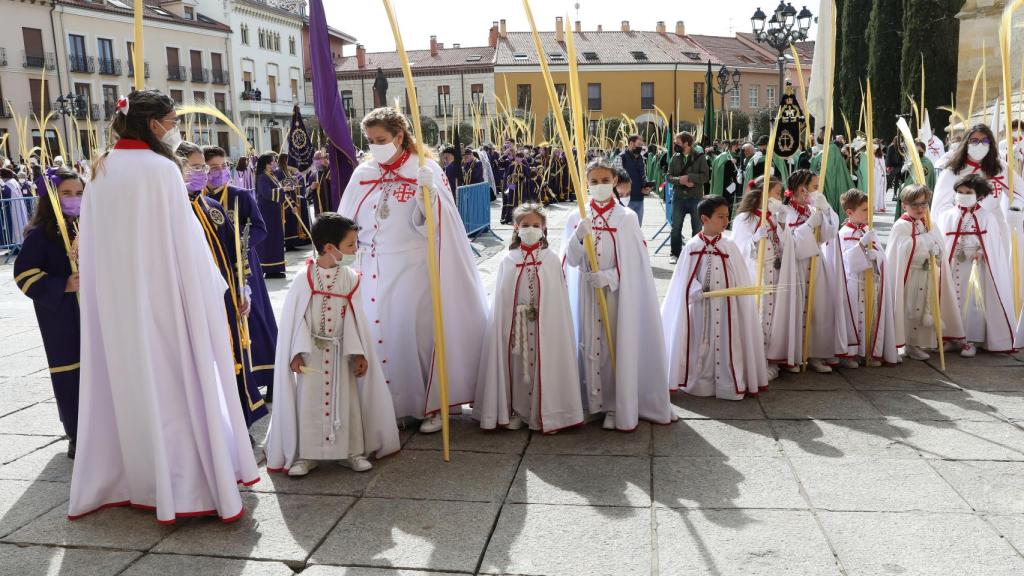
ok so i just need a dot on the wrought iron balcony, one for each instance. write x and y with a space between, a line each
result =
200 74
81 63
219 76
176 73
46 60
110 66
131 69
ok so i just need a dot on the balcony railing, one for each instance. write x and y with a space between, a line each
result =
91 111
3 56
80 63
110 66
176 73
39 60
200 74
252 95
442 110
109 110
5 110
131 69
219 76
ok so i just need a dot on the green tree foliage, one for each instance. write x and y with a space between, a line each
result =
930 28
885 45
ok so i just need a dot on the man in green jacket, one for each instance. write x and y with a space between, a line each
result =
688 172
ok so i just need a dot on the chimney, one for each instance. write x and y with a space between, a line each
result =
453 45
625 25
660 28
559 30
680 28
440 45
360 56
492 35
600 28
578 27
433 45
502 30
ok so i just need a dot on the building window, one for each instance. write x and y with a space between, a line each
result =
698 95
594 96
263 38
346 103
77 60
560 91
752 97
177 96
769 95
247 81
190 13
277 42
199 97
444 103
476 92
291 45
734 98
524 96
245 34
295 89
272 87
647 95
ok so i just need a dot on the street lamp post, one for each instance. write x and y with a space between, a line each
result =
785 27
69 105
728 82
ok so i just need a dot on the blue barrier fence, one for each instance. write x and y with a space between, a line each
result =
667 226
14 216
474 202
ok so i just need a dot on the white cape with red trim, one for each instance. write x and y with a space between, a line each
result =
881 341
945 196
160 424
396 287
380 432
557 375
741 367
899 255
991 324
641 378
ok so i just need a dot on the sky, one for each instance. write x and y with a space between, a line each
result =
466 22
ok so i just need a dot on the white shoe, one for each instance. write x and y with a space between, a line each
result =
872 363
968 350
609 421
357 462
773 372
302 467
849 363
917 353
431 425
514 423
795 369
819 366
673 259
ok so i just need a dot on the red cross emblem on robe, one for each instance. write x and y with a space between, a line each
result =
404 192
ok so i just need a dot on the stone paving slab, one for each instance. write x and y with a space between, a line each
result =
930 405
467 435
48 463
697 407
165 564
995 487
329 478
592 439
842 438
963 440
704 438
740 482
50 561
909 375
14 446
988 378
118 528
469 476
1009 405
284 527
831 405
919 544
539 539
809 380
583 480
414 534
22 501
747 542
39 419
360 571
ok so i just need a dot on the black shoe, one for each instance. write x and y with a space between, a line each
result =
72 445
274 275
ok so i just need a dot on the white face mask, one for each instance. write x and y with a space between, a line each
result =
530 236
600 192
383 152
977 152
171 139
966 200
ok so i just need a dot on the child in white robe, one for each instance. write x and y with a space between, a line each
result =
714 345
914 248
635 386
528 372
977 246
331 399
748 233
862 252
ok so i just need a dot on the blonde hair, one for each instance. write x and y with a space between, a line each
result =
522 211
394 122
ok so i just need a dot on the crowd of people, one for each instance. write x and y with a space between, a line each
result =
164 350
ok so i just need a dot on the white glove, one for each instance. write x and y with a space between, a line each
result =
759 235
696 297
868 239
425 177
935 249
596 279
814 220
1015 219
774 205
875 255
731 188
583 229
819 201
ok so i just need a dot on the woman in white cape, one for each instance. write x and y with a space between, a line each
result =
160 425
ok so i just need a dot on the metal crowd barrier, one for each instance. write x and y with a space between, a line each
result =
474 202
15 214
667 226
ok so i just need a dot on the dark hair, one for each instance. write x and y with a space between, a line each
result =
186 149
600 163
752 198
242 164
852 199
43 216
623 176
633 138
213 152
711 203
990 164
331 228
521 211
799 179
264 160
143 106
975 182
685 138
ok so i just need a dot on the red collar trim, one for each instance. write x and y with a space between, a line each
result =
394 166
599 211
529 250
972 164
710 241
130 144
854 225
310 263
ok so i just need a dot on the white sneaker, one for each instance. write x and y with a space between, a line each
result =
609 421
514 423
431 425
357 462
819 366
917 353
673 259
795 369
773 372
302 467
849 363
968 350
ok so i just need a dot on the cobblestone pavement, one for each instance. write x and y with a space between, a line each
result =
907 470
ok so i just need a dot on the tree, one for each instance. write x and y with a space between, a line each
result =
925 22
762 123
852 69
885 44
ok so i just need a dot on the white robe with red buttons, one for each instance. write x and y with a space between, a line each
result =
396 287
715 346
743 229
880 342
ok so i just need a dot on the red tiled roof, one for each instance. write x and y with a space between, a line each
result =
420 59
733 52
683 48
611 47
805 49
